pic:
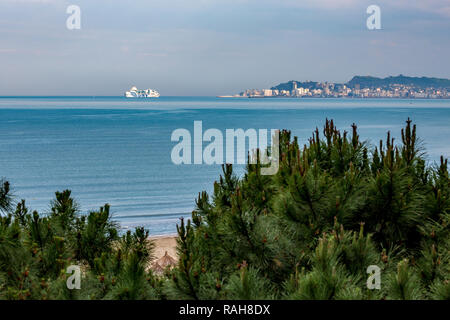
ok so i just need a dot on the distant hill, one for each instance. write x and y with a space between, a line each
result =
373 82
418 82
290 85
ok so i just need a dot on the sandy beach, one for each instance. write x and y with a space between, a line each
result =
165 244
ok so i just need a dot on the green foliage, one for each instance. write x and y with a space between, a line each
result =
5 196
96 235
335 207
404 284
248 285
36 250
327 279
310 231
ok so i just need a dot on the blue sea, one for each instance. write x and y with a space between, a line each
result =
118 151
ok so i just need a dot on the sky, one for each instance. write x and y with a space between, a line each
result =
214 47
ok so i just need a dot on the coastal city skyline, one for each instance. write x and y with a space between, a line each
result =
209 48
358 87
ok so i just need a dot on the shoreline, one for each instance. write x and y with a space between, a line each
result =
158 236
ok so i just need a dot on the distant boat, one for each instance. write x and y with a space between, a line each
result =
136 93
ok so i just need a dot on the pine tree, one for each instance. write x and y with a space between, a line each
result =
311 230
335 207
5 196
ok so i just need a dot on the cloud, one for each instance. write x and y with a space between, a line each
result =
214 46
440 7
151 54
7 50
30 1
324 4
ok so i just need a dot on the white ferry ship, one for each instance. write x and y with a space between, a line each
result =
136 93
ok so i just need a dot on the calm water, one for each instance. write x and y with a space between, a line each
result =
117 151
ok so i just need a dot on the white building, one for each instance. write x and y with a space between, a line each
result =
267 92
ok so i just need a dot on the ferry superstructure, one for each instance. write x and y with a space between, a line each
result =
136 93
